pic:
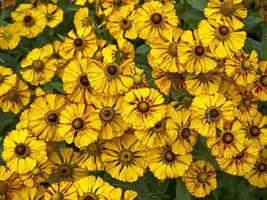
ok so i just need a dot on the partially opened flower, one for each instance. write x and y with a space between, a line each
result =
61 190
9 36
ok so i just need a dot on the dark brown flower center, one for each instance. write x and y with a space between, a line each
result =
264 80
199 50
57 196
169 156
112 71
93 149
37 65
172 49
185 133
55 55
64 171
21 150
52 117
227 8
117 2
89 196
213 114
254 131
160 126
78 42
262 167
228 137
156 18
3 187
240 155
28 21
126 156
223 30
107 114
143 106
202 177
125 24
13 95
77 123
84 80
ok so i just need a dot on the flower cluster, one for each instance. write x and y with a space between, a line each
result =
116 117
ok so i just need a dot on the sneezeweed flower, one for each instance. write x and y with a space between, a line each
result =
93 188
164 163
167 81
7 79
259 86
203 83
38 175
30 193
10 183
121 23
76 82
210 112
187 137
257 176
53 14
90 156
124 158
23 120
80 43
242 67
38 68
44 115
9 36
195 57
255 130
29 20
79 124
16 98
229 11
163 53
229 142
144 108
110 6
61 190
82 19
22 151
109 110
241 163
221 38
200 179
162 133
65 166
154 19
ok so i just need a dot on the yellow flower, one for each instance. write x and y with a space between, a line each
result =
76 82
80 43
203 83
7 79
240 164
200 179
44 115
61 190
139 78
121 23
10 183
65 165
229 142
255 130
163 53
110 6
93 188
210 112
38 68
9 36
229 11
53 14
221 38
109 110
29 20
23 120
143 108
242 67
79 123
21 152
38 175
154 19
259 88
194 55
186 138
90 156
164 163
82 19
30 193
124 158
16 98
100 45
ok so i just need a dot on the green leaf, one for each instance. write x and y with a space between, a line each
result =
251 22
61 37
251 45
243 191
8 121
181 192
198 4
143 49
264 43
